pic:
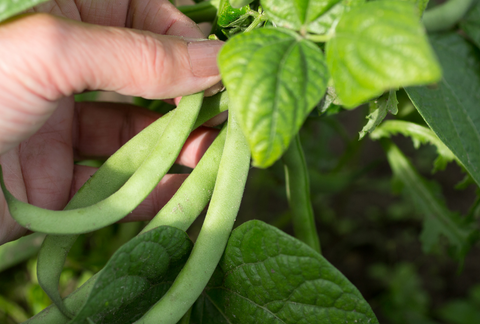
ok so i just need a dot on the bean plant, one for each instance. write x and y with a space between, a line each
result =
283 61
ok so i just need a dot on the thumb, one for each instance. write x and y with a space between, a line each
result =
45 58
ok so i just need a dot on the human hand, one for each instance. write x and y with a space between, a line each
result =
46 59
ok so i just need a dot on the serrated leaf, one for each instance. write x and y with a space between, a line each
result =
451 108
386 103
438 219
297 14
271 277
379 46
471 24
9 8
136 276
419 135
274 79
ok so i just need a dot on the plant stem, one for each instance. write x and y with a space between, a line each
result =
445 16
298 194
201 12
213 237
319 38
257 21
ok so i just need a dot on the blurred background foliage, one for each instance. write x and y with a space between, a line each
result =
367 230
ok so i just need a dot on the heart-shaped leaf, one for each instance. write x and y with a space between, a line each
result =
297 14
271 277
379 46
136 276
274 78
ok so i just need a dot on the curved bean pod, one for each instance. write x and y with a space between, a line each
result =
214 234
108 179
129 196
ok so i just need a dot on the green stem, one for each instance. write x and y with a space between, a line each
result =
318 38
257 21
298 193
213 237
445 16
201 12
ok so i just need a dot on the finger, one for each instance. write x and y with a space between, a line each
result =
64 57
100 129
151 205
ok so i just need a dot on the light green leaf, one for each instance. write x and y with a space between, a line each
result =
377 47
9 8
239 3
271 277
451 108
136 277
471 24
327 22
420 5
297 14
274 79
379 109
438 219
419 135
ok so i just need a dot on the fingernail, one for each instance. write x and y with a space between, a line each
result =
203 57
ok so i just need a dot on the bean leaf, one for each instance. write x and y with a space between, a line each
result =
268 276
419 135
379 46
471 24
135 278
297 14
438 219
451 108
274 78
9 8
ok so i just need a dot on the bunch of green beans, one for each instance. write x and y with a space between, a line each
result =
126 179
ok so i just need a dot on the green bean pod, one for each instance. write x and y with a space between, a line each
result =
129 196
298 194
193 199
194 193
214 234
108 179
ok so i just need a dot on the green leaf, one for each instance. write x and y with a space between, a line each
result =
136 276
298 14
438 219
379 108
328 21
271 277
419 135
9 8
451 108
420 5
239 3
274 78
379 46
471 24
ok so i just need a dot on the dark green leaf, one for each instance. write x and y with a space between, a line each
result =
274 78
298 14
137 275
451 108
9 8
471 24
271 277
379 109
379 46
438 219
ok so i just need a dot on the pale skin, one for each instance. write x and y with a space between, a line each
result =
131 47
